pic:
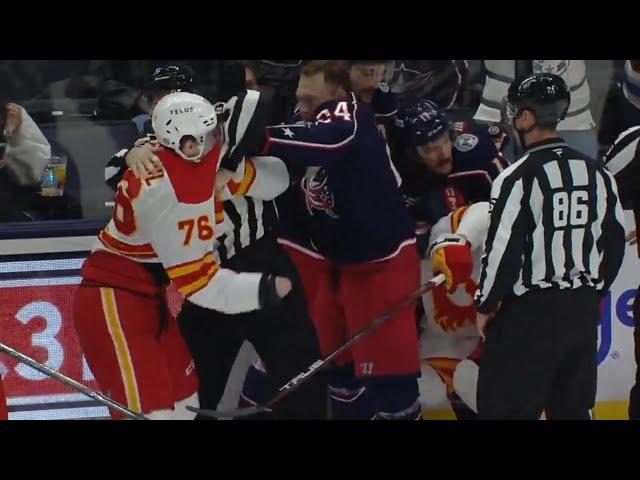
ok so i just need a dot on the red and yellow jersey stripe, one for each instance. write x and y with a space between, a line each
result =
243 186
191 277
111 243
456 216
219 211
444 367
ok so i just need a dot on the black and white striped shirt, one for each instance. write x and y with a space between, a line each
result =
623 161
555 222
246 219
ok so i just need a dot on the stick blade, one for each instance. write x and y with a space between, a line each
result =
239 412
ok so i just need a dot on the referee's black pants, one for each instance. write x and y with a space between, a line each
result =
283 336
634 397
541 355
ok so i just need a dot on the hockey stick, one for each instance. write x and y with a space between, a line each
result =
98 397
295 383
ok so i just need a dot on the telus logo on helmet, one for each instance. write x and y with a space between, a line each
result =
178 111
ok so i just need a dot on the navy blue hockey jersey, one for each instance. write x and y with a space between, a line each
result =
348 198
476 163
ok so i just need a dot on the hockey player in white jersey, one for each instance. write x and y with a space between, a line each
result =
449 342
164 229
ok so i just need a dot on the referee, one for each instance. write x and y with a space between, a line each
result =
283 336
555 243
623 161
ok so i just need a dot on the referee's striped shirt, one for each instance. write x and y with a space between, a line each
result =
555 222
623 161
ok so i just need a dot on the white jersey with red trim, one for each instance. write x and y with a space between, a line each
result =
449 324
171 218
449 341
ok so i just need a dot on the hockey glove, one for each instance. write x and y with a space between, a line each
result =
451 254
272 289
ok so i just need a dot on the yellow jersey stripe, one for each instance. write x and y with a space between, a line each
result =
186 269
247 180
193 287
456 217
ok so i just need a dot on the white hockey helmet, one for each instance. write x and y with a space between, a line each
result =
182 114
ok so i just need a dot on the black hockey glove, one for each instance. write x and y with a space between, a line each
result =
267 293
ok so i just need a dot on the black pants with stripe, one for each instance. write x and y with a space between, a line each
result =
541 355
634 397
283 336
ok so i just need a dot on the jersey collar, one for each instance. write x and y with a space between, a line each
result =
555 142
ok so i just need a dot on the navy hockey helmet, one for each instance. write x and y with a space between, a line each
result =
406 114
428 126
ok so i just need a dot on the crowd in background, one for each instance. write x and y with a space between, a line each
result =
52 92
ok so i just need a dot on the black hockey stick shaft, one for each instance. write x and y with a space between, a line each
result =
376 323
98 397
318 365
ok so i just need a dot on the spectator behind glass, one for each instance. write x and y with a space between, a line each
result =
25 154
277 81
577 129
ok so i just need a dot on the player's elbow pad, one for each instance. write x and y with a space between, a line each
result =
475 224
230 292
272 178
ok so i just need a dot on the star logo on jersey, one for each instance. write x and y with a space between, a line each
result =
287 132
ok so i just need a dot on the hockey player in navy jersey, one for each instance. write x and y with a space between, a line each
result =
356 220
447 167
367 79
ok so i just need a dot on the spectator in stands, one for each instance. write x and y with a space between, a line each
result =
25 153
577 129
277 81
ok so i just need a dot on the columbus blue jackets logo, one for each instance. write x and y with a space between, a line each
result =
317 194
